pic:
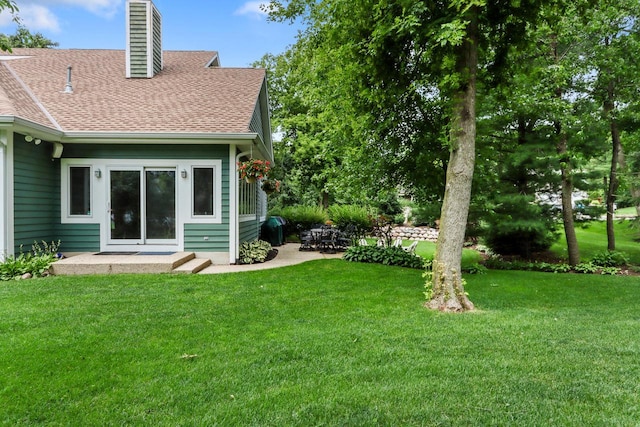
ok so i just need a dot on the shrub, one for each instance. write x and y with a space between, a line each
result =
497 263
355 217
384 255
519 227
586 268
36 262
389 205
256 251
301 217
426 214
474 268
610 259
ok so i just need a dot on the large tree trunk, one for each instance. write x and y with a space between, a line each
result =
567 201
566 183
616 149
447 286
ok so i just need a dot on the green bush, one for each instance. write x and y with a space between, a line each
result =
610 259
351 216
497 263
256 251
517 226
36 262
301 217
388 204
384 255
426 214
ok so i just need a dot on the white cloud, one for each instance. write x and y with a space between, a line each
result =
106 8
252 8
38 18
5 18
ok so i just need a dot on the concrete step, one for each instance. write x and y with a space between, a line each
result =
120 264
192 266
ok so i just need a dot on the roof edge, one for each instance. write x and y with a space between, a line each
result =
155 137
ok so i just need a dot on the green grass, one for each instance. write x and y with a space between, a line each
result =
592 239
427 249
322 343
630 211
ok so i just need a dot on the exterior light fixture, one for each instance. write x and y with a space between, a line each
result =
38 141
28 138
98 173
183 173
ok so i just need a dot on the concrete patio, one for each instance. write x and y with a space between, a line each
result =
178 262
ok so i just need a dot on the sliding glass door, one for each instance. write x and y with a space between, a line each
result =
142 206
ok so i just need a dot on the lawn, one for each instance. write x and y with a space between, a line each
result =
322 343
592 238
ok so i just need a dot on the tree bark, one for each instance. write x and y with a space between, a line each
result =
447 286
616 149
566 183
573 249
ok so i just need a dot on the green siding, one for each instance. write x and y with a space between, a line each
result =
138 39
217 235
79 237
36 194
157 42
194 234
136 151
248 231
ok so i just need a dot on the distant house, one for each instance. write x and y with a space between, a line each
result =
130 150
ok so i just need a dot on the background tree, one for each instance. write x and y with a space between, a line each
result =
24 38
432 49
615 32
11 6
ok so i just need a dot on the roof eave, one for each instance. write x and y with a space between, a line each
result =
156 137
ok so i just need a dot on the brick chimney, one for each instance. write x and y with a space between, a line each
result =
144 39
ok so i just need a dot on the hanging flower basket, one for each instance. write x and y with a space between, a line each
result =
254 169
270 186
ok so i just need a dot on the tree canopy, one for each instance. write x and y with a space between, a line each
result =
25 38
11 6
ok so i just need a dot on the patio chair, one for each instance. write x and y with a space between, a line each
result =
306 241
363 242
328 240
398 242
412 247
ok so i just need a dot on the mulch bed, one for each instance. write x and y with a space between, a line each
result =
272 254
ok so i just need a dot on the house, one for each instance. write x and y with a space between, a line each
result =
130 150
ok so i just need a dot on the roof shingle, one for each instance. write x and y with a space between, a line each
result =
184 97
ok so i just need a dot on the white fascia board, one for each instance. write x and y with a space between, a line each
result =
36 130
155 138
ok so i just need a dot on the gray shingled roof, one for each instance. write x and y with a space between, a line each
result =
185 97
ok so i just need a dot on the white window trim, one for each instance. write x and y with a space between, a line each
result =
99 191
65 190
216 217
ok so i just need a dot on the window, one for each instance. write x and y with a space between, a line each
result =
79 191
202 198
203 189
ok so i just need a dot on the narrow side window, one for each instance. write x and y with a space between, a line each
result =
79 190
203 197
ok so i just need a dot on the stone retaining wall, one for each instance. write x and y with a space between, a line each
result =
415 233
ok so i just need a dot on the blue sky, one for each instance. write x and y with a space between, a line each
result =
237 29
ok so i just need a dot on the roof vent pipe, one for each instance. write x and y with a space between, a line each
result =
68 88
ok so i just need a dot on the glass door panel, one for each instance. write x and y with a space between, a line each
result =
160 204
126 207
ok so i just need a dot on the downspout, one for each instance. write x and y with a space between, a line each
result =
3 180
